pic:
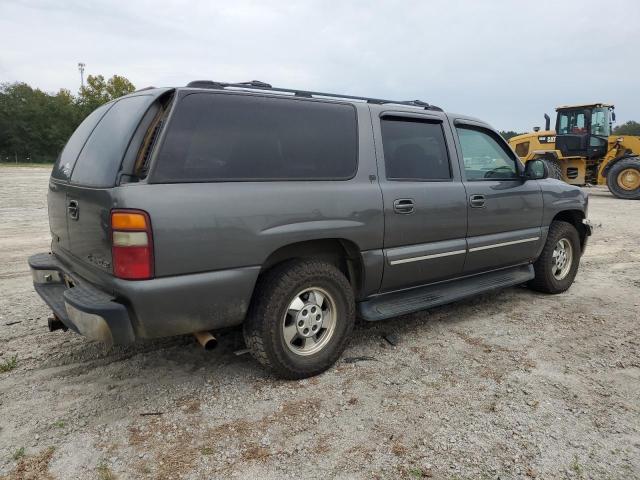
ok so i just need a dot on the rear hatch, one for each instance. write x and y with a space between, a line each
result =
100 155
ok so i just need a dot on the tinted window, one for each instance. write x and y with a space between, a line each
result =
600 122
67 160
522 149
484 157
414 150
239 137
571 122
100 159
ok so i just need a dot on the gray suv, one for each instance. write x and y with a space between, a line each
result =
189 210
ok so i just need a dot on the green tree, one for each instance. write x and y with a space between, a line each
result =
35 125
99 91
629 128
508 134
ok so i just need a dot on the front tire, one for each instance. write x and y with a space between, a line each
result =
557 265
300 319
623 178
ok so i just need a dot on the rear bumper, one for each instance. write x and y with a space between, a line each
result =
79 305
160 307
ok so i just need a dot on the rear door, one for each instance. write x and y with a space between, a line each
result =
61 174
424 199
94 175
505 211
84 177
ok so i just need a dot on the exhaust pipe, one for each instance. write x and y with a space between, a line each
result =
54 323
208 341
547 122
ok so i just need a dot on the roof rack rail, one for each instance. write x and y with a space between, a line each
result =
258 85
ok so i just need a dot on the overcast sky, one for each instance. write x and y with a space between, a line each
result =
507 62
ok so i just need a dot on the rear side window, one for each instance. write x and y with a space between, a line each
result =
522 149
217 137
100 159
414 150
67 160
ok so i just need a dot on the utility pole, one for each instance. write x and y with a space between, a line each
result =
81 66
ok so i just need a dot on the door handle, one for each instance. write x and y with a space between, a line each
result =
404 205
73 210
476 201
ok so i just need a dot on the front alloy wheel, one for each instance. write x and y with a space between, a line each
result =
562 259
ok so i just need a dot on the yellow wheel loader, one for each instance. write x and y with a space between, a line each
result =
582 151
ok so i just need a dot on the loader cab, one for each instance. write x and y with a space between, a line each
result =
583 130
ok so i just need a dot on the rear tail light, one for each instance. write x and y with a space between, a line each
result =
131 244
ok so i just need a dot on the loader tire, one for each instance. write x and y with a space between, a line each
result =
554 167
623 179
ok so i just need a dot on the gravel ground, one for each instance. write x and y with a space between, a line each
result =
508 385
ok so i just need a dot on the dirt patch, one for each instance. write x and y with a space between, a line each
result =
512 384
33 467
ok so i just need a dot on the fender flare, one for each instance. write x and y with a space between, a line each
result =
546 153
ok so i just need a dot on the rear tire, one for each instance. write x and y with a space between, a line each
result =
554 167
623 179
557 265
300 319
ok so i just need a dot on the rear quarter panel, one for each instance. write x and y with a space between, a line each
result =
215 226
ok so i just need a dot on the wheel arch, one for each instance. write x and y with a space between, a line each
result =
550 154
575 218
343 253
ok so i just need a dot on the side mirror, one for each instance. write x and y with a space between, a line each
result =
536 169
613 116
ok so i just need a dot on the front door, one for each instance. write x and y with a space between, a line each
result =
505 211
424 200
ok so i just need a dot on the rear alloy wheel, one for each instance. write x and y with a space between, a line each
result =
557 265
300 318
309 322
623 178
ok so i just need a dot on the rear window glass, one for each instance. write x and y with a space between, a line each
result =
414 150
100 159
215 137
67 160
